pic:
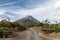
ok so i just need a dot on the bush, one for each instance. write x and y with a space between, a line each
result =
5 33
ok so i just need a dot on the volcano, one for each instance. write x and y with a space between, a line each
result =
28 19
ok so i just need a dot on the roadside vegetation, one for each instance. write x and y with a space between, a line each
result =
47 27
7 27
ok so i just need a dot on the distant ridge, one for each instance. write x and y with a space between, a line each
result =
28 19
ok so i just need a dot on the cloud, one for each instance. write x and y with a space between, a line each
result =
41 12
10 16
2 12
49 9
9 3
56 4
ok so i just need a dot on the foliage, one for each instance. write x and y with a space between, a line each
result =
7 28
49 28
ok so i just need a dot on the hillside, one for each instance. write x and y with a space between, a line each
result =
28 19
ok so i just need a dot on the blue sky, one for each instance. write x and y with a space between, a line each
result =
40 9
